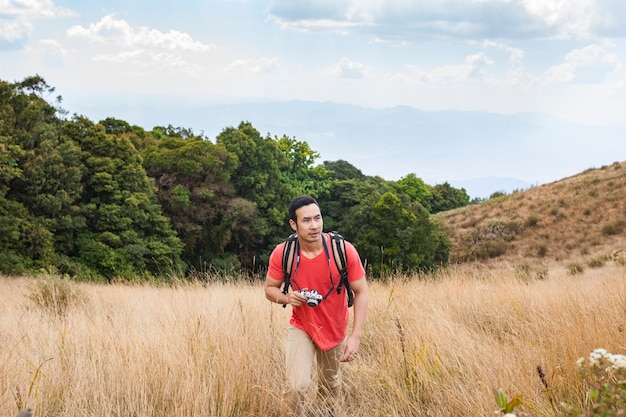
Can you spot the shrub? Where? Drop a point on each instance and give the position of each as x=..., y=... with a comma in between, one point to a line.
x=597, y=262
x=490, y=241
x=606, y=374
x=542, y=249
x=575, y=268
x=55, y=295
x=613, y=228
x=525, y=272
x=532, y=220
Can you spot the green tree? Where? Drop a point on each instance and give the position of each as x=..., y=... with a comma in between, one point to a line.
x=258, y=179
x=445, y=197
x=13, y=215
x=415, y=190
x=39, y=199
x=343, y=170
x=126, y=233
x=193, y=181
x=401, y=238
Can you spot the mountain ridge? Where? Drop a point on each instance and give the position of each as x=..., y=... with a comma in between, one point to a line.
x=437, y=146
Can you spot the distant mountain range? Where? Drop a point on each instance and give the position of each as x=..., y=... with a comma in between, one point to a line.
x=480, y=151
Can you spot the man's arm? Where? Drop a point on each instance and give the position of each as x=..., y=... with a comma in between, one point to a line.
x=361, y=301
x=274, y=293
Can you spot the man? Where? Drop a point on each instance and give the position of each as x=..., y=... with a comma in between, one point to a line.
x=317, y=332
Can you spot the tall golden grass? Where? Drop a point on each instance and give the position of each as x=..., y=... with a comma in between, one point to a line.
x=432, y=347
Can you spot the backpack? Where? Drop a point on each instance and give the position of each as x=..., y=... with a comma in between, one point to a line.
x=291, y=253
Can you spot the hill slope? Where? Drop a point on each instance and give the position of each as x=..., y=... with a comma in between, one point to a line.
x=579, y=220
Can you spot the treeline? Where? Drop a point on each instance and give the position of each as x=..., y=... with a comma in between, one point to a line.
x=112, y=200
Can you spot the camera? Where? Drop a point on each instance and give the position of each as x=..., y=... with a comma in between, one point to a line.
x=313, y=298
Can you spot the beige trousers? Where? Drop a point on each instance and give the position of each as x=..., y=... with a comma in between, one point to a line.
x=300, y=352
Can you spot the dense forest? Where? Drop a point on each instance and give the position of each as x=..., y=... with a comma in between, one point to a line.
x=111, y=200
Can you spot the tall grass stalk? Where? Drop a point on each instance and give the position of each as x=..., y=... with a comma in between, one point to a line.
x=431, y=347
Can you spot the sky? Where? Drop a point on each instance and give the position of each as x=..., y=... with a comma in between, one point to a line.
x=563, y=58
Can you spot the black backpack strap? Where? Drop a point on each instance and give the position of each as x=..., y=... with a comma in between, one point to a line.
x=341, y=259
x=290, y=252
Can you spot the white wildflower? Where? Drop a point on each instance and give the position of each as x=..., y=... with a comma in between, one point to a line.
x=597, y=355
x=617, y=361
x=510, y=415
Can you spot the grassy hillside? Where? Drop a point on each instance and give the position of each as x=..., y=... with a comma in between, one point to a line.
x=575, y=223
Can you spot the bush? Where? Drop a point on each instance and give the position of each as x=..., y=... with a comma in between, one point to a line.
x=532, y=220
x=613, y=228
x=525, y=272
x=55, y=295
x=597, y=262
x=575, y=268
x=491, y=240
x=606, y=374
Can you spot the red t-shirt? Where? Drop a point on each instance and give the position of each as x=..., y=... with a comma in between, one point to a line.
x=326, y=323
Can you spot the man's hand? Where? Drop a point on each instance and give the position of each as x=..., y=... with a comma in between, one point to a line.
x=296, y=299
x=350, y=349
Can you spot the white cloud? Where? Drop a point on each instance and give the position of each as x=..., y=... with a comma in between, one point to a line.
x=17, y=16
x=53, y=46
x=118, y=32
x=516, y=55
x=143, y=47
x=471, y=69
x=11, y=31
x=346, y=68
x=261, y=65
x=33, y=9
x=605, y=65
x=412, y=20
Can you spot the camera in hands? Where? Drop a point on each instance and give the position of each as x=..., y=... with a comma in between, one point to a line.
x=313, y=298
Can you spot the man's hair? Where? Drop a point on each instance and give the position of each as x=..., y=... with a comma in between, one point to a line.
x=301, y=201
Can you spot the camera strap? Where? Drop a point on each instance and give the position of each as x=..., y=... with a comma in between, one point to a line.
x=291, y=262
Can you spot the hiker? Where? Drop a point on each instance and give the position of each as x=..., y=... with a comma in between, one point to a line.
x=319, y=321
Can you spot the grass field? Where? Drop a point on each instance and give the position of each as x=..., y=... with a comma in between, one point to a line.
x=435, y=347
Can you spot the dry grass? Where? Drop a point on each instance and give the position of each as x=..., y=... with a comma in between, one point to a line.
x=571, y=220
x=431, y=348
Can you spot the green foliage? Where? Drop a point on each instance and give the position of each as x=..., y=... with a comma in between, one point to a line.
x=505, y=406
x=416, y=190
x=497, y=195
x=605, y=375
x=446, y=197
x=111, y=200
x=192, y=176
x=400, y=237
x=126, y=231
x=343, y=170
x=299, y=173
x=259, y=179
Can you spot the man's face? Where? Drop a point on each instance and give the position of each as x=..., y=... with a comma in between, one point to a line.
x=309, y=223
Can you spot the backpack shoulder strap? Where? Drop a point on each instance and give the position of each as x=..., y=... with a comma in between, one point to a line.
x=290, y=252
x=338, y=245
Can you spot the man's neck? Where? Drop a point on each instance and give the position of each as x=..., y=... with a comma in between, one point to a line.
x=311, y=249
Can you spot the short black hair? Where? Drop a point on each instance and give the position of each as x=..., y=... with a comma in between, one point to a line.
x=300, y=201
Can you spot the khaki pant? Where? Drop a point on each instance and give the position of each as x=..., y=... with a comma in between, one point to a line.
x=299, y=362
